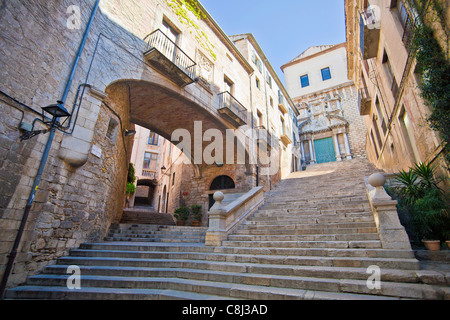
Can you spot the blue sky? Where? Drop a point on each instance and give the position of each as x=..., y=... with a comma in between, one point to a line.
x=283, y=28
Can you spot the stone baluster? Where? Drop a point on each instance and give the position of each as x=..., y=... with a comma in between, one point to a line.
x=216, y=232
x=392, y=233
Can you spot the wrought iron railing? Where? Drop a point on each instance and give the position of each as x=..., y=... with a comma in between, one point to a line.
x=149, y=174
x=369, y=17
x=159, y=41
x=226, y=100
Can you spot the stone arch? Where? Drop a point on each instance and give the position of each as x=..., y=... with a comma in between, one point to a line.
x=222, y=182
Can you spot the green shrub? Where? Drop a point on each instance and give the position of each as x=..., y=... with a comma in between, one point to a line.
x=182, y=213
x=197, y=212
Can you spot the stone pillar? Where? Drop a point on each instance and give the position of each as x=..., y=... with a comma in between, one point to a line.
x=311, y=151
x=392, y=233
x=216, y=232
x=303, y=151
x=336, y=147
x=347, y=147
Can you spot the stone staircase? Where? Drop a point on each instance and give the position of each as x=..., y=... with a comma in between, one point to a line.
x=156, y=233
x=314, y=238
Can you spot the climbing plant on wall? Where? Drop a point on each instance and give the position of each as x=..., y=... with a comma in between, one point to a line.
x=434, y=68
x=185, y=9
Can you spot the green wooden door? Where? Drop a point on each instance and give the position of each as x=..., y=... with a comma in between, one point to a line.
x=325, y=150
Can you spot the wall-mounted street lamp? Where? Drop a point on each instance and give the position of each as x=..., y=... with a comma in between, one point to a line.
x=56, y=111
x=129, y=133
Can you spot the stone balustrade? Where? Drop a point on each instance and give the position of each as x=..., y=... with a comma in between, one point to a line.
x=223, y=219
x=384, y=208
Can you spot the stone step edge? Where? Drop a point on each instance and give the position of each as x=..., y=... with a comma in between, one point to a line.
x=261, y=256
x=243, y=266
x=388, y=275
x=390, y=289
x=89, y=293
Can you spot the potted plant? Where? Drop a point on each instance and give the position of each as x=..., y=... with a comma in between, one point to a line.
x=197, y=215
x=131, y=187
x=182, y=215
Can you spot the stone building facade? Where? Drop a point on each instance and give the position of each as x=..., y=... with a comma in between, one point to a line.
x=122, y=78
x=273, y=111
x=383, y=67
x=330, y=126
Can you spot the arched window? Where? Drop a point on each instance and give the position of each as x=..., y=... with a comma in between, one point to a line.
x=222, y=182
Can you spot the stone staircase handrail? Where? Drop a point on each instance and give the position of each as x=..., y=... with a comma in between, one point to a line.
x=223, y=219
x=384, y=208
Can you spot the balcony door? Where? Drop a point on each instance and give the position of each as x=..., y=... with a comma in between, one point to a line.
x=173, y=35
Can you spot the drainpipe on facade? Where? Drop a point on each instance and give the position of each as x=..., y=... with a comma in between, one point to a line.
x=254, y=149
x=13, y=253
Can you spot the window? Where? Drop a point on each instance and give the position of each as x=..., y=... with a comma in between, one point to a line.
x=260, y=118
x=150, y=161
x=380, y=115
x=169, y=31
x=304, y=80
x=271, y=102
x=280, y=97
x=153, y=139
x=408, y=135
x=221, y=183
x=326, y=74
x=228, y=85
x=256, y=61
x=269, y=79
x=390, y=75
x=402, y=13
x=258, y=85
x=173, y=179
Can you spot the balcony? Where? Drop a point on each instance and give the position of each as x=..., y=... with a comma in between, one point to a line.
x=264, y=137
x=365, y=101
x=149, y=174
x=165, y=56
x=232, y=110
x=370, y=26
x=285, y=138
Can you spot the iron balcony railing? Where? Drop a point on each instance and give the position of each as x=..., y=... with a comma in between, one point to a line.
x=369, y=17
x=159, y=41
x=149, y=174
x=227, y=101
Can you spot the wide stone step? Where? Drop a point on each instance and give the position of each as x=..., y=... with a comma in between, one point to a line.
x=312, y=237
x=249, y=286
x=323, y=252
x=305, y=244
x=138, y=238
x=360, y=262
x=307, y=217
x=388, y=275
x=306, y=220
x=157, y=233
x=252, y=225
x=89, y=293
x=312, y=231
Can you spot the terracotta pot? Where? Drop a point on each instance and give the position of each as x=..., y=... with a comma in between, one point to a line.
x=196, y=223
x=180, y=223
x=432, y=245
x=448, y=243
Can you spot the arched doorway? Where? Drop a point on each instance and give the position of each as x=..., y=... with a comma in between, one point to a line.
x=145, y=193
x=220, y=183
